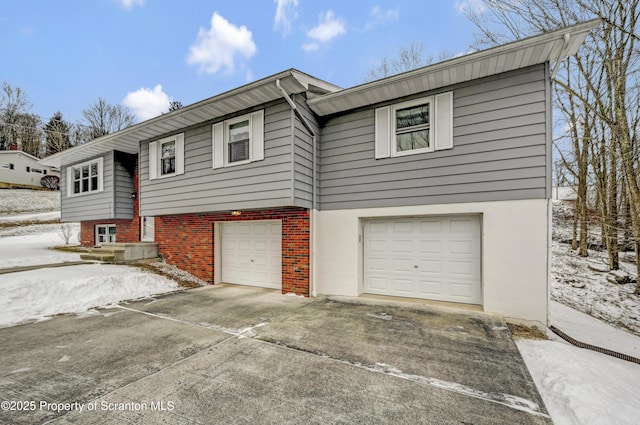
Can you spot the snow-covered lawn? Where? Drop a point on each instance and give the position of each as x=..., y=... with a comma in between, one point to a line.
x=42, y=293
x=38, y=294
x=582, y=387
x=585, y=283
x=16, y=201
x=32, y=249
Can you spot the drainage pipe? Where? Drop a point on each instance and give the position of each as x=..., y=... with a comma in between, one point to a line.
x=593, y=347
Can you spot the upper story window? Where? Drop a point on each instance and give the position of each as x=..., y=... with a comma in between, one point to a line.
x=85, y=178
x=166, y=157
x=239, y=140
x=413, y=127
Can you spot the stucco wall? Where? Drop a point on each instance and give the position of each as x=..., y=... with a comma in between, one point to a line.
x=514, y=252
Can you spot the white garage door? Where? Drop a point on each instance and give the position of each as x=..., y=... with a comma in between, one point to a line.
x=434, y=258
x=252, y=253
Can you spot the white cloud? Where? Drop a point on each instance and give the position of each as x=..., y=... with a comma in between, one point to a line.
x=147, y=103
x=328, y=28
x=384, y=16
x=128, y=4
x=286, y=13
x=475, y=6
x=310, y=47
x=218, y=46
x=381, y=17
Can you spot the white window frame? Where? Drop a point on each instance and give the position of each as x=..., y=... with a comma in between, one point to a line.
x=440, y=126
x=227, y=139
x=71, y=178
x=220, y=140
x=394, y=130
x=107, y=227
x=155, y=157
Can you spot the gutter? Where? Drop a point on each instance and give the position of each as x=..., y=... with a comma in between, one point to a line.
x=313, y=250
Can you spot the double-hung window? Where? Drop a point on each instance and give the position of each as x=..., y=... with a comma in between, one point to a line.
x=239, y=140
x=415, y=126
x=85, y=178
x=412, y=129
x=166, y=157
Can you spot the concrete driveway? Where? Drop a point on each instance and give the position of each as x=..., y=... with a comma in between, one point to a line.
x=237, y=355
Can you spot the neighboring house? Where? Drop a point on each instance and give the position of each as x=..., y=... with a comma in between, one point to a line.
x=435, y=183
x=20, y=169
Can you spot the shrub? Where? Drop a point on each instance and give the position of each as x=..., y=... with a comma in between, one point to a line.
x=50, y=182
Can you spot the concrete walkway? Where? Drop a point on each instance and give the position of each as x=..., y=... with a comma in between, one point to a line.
x=42, y=266
x=237, y=355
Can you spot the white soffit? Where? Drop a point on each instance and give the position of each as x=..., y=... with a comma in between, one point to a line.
x=248, y=96
x=547, y=47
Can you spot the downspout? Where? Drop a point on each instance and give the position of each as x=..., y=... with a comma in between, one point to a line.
x=563, y=51
x=294, y=108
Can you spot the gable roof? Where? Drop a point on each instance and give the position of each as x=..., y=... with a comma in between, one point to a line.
x=23, y=153
x=547, y=47
x=244, y=97
x=327, y=99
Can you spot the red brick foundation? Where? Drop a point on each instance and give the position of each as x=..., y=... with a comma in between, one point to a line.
x=187, y=241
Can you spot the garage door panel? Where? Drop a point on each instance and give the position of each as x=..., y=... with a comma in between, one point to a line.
x=251, y=253
x=403, y=286
x=430, y=266
x=430, y=246
x=446, y=251
x=429, y=288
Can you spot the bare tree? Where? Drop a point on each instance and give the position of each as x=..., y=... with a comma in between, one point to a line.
x=601, y=83
x=102, y=118
x=13, y=106
x=409, y=57
x=174, y=105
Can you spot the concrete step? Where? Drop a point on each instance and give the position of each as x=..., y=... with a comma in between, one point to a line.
x=96, y=256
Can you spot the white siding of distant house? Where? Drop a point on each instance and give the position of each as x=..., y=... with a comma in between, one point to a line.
x=19, y=174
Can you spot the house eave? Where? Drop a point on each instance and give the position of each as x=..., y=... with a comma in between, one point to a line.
x=548, y=47
x=247, y=96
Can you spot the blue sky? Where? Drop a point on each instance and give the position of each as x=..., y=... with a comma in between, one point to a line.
x=142, y=53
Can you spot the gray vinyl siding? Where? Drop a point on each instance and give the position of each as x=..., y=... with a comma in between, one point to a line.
x=260, y=184
x=91, y=206
x=303, y=155
x=123, y=185
x=500, y=151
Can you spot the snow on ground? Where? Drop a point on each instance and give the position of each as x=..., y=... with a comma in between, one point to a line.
x=585, y=283
x=38, y=294
x=32, y=249
x=582, y=387
x=41, y=293
x=42, y=216
x=15, y=201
